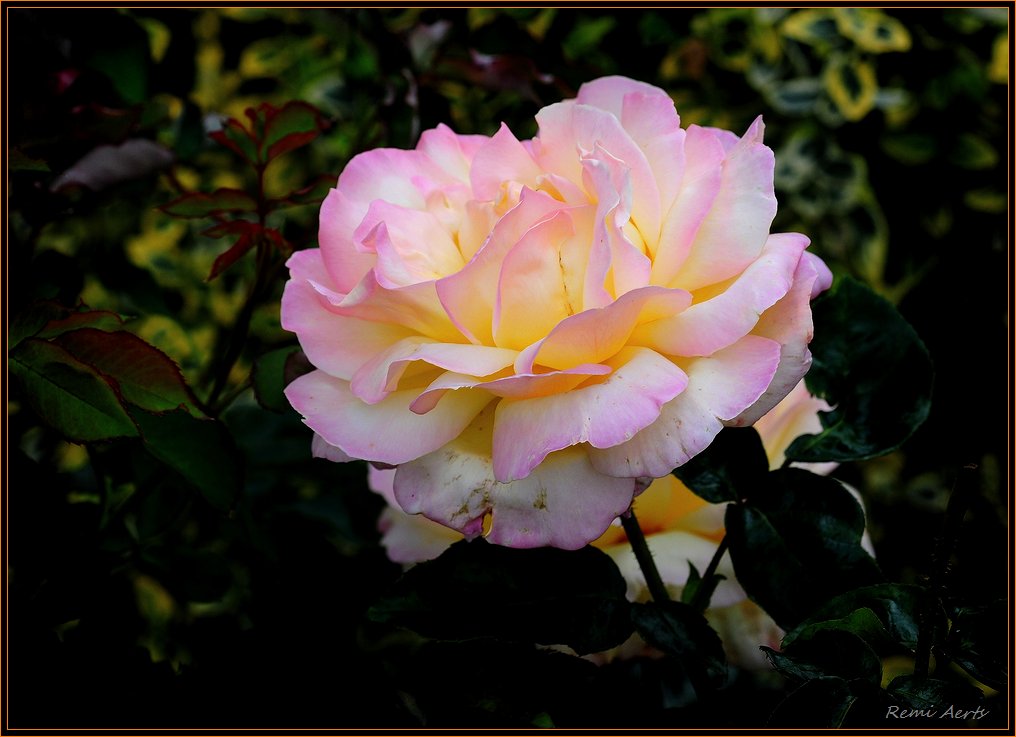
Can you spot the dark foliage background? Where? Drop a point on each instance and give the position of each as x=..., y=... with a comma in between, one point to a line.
x=137, y=598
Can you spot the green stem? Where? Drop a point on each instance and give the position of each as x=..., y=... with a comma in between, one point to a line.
x=705, y=591
x=640, y=547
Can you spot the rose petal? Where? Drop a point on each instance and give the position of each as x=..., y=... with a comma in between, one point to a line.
x=387, y=431
x=321, y=448
x=469, y=295
x=563, y=503
x=734, y=232
x=719, y=387
x=789, y=323
x=603, y=414
x=335, y=343
x=502, y=159
x=718, y=321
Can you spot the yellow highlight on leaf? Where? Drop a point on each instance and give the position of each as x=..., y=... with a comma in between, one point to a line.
x=851, y=84
x=998, y=70
x=872, y=30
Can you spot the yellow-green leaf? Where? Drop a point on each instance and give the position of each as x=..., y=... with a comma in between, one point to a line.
x=851, y=84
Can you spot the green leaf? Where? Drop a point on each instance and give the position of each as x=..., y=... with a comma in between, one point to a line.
x=797, y=544
x=269, y=379
x=896, y=605
x=144, y=375
x=201, y=204
x=19, y=161
x=794, y=96
x=543, y=595
x=68, y=395
x=820, y=702
x=973, y=152
x=694, y=584
x=977, y=643
x=863, y=623
x=941, y=700
x=200, y=450
x=873, y=368
x=828, y=653
x=733, y=465
x=683, y=633
x=293, y=125
x=872, y=30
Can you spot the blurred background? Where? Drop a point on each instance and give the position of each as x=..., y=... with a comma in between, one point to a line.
x=135, y=602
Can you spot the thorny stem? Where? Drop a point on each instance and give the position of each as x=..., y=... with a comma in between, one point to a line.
x=643, y=555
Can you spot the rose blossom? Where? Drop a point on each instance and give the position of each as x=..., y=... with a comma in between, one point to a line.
x=530, y=331
x=679, y=527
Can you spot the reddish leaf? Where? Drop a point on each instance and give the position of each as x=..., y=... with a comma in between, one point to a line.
x=293, y=125
x=201, y=204
x=278, y=240
x=243, y=244
x=144, y=375
x=46, y=318
x=234, y=136
x=232, y=227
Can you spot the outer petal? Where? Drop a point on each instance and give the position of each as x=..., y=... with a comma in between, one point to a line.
x=610, y=93
x=335, y=343
x=789, y=323
x=718, y=321
x=320, y=448
x=735, y=230
x=719, y=388
x=604, y=414
x=387, y=432
x=415, y=307
x=563, y=503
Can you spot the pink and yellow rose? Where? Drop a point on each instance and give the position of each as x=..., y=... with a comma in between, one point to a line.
x=529, y=332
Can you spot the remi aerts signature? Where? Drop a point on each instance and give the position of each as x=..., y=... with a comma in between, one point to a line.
x=896, y=712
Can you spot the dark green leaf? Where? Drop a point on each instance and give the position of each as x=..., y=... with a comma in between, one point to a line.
x=940, y=700
x=820, y=702
x=269, y=379
x=200, y=450
x=828, y=652
x=201, y=204
x=733, y=465
x=19, y=161
x=863, y=623
x=873, y=368
x=68, y=395
x=798, y=544
x=683, y=633
x=896, y=605
x=697, y=589
x=144, y=375
x=977, y=643
x=543, y=595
